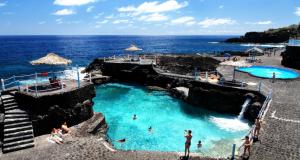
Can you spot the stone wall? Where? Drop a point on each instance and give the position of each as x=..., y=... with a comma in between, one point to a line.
x=224, y=99
x=51, y=111
x=291, y=57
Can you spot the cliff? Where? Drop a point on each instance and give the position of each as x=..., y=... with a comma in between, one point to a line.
x=279, y=35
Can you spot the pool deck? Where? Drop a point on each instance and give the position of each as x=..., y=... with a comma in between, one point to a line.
x=280, y=133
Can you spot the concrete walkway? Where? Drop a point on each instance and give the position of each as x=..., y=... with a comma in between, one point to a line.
x=280, y=133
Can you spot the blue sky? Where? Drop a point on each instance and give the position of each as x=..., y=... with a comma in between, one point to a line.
x=151, y=17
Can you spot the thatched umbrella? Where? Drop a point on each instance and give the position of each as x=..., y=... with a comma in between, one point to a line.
x=236, y=64
x=133, y=48
x=51, y=59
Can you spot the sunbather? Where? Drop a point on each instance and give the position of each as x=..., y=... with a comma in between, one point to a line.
x=65, y=129
x=55, y=136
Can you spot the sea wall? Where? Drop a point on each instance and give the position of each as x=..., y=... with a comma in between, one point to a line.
x=291, y=57
x=51, y=111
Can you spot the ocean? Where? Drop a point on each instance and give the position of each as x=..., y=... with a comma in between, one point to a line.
x=17, y=51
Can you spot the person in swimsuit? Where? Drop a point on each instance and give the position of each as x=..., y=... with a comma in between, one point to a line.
x=247, y=145
x=134, y=117
x=257, y=127
x=188, y=137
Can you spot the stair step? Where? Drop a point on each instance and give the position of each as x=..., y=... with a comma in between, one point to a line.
x=16, y=148
x=22, y=115
x=16, y=114
x=20, y=124
x=15, y=120
x=6, y=96
x=10, y=104
x=18, y=138
x=15, y=111
x=17, y=129
x=17, y=143
x=8, y=101
x=11, y=108
x=19, y=133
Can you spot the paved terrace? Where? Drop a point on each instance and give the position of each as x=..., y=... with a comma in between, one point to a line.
x=280, y=133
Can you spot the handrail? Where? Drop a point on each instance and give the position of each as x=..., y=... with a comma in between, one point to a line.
x=13, y=81
x=260, y=115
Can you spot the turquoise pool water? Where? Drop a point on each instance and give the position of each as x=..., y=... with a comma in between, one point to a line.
x=168, y=117
x=267, y=72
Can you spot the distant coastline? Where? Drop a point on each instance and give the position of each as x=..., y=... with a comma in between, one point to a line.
x=279, y=35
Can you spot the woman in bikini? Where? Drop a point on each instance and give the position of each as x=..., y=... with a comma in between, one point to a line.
x=257, y=127
x=188, y=137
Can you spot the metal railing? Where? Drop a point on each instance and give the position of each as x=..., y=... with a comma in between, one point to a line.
x=38, y=82
x=205, y=77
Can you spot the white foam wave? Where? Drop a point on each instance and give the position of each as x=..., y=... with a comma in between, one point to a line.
x=231, y=125
x=213, y=42
x=263, y=45
x=72, y=73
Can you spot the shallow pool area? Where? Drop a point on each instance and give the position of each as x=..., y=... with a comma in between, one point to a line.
x=168, y=117
x=267, y=72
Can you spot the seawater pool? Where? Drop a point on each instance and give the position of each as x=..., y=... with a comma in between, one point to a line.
x=267, y=72
x=168, y=117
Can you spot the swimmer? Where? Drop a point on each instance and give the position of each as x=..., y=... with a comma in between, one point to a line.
x=134, y=117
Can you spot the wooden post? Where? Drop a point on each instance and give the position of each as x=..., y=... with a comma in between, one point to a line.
x=3, y=85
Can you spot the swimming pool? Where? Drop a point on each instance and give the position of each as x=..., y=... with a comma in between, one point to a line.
x=168, y=117
x=267, y=72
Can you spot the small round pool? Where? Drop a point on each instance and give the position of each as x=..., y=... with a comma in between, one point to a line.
x=267, y=72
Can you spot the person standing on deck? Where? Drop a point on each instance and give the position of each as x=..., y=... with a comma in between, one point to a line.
x=257, y=127
x=188, y=141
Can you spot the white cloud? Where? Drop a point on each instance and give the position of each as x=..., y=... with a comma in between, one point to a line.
x=110, y=16
x=297, y=12
x=260, y=23
x=102, y=22
x=42, y=22
x=118, y=21
x=64, y=12
x=183, y=20
x=2, y=4
x=215, y=22
x=73, y=2
x=264, y=22
x=59, y=21
x=221, y=6
x=154, y=7
x=155, y=17
x=98, y=15
x=90, y=8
